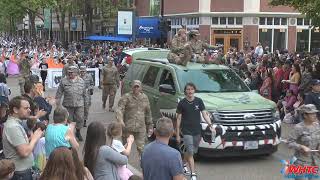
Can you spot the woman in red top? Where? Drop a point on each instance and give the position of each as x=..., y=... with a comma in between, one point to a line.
x=266, y=88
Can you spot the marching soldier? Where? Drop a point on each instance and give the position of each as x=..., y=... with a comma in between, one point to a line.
x=305, y=139
x=73, y=89
x=134, y=114
x=70, y=62
x=24, y=67
x=110, y=81
x=179, y=53
x=88, y=80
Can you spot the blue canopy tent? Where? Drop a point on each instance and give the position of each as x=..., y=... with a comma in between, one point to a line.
x=108, y=38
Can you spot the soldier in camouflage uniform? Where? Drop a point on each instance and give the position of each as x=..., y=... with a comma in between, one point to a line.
x=24, y=67
x=73, y=89
x=89, y=89
x=70, y=62
x=179, y=51
x=306, y=137
x=135, y=114
x=197, y=47
x=110, y=81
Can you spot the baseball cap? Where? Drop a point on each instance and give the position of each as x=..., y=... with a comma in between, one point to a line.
x=136, y=83
x=308, y=108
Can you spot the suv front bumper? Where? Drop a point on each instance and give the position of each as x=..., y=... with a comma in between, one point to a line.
x=230, y=140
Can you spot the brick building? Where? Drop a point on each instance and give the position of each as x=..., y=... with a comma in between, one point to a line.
x=238, y=23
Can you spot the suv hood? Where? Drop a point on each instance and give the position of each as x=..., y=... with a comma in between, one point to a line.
x=235, y=101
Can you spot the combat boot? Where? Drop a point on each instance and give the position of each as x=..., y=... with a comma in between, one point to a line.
x=78, y=135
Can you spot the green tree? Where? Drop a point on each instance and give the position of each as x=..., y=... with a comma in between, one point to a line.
x=310, y=8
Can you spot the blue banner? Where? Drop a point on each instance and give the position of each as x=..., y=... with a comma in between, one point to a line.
x=148, y=27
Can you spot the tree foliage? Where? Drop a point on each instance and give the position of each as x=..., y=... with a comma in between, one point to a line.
x=310, y=8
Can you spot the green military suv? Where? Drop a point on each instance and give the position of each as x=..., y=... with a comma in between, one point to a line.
x=245, y=122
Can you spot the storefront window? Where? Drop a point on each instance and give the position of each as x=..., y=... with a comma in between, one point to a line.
x=302, y=40
x=265, y=37
x=315, y=40
x=279, y=39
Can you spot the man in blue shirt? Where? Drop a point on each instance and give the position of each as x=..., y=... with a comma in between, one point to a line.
x=159, y=161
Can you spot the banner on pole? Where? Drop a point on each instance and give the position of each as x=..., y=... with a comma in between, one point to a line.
x=55, y=76
x=47, y=18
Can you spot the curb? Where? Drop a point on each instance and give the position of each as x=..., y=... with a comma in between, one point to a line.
x=134, y=171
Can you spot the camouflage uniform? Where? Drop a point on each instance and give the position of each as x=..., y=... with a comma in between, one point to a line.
x=136, y=114
x=74, y=92
x=110, y=81
x=89, y=90
x=24, y=67
x=308, y=136
x=197, y=48
x=179, y=53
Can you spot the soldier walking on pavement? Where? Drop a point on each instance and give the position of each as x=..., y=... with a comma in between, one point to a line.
x=88, y=80
x=305, y=139
x=134, y=114
x=24, y=66
x=73, y=89
x=110, y=81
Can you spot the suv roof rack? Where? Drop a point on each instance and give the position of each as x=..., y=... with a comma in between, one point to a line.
x=162, y=61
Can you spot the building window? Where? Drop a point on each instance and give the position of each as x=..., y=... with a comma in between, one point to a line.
x=284, y=21
x=231, y=20
x=262, y=21
x=302, y=40
x=269, y=21
x=279, y=39
x=315, y=40
x=215, y=20
x=223, y=20
x=239, y=20
x=265, y=37
x=276, y=21
x=193, y=21
x=299, y=21
x=306, y=22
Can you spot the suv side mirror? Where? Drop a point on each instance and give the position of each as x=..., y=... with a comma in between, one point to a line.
x=167, y=88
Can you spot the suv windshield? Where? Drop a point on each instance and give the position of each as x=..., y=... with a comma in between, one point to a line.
x=212, y=80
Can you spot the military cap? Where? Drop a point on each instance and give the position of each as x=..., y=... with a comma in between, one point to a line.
x=194, y=32
x=83, y=68
x=73, y=69
x=136, y=83
x=308, y=109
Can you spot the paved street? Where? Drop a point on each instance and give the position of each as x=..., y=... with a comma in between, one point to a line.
x=253, y=168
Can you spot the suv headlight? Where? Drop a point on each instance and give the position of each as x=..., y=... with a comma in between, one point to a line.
x=275, y=114
x=213, y=115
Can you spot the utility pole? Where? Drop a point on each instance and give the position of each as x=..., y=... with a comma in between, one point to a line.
x=161, y=23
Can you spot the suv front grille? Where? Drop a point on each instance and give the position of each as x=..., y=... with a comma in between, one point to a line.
x=244, y=118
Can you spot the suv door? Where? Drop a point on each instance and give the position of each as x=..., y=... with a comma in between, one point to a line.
x=167, y=103
x=135, y=72
x=149, y=81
